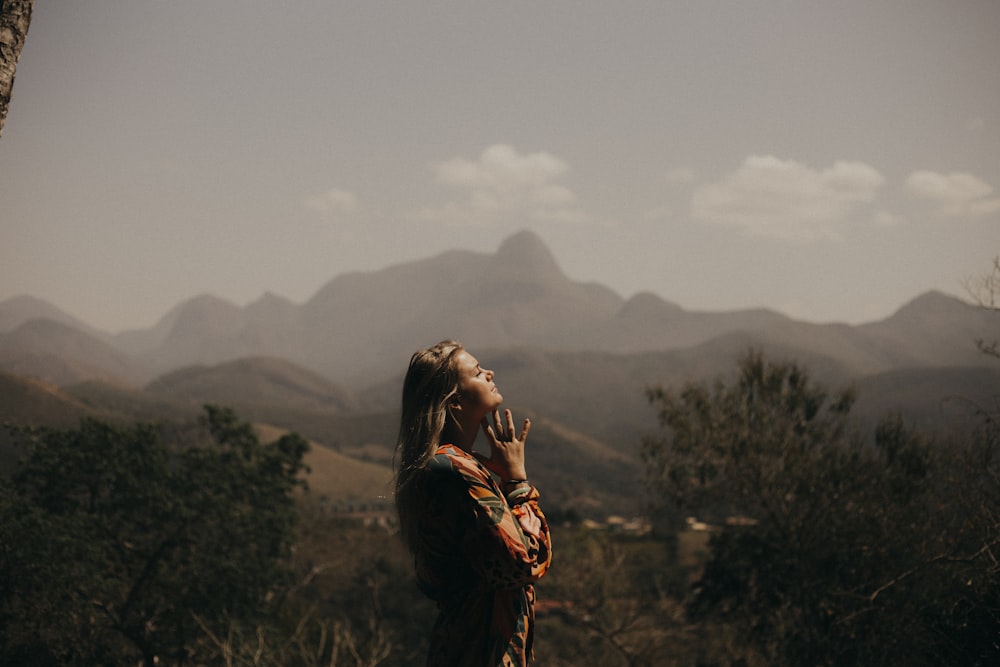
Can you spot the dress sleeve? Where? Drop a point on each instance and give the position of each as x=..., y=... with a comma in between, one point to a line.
x=496, y=547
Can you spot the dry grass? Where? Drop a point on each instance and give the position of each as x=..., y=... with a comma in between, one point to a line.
x=337, y=478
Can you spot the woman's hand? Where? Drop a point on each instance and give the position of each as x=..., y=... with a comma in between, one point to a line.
x=506, y=457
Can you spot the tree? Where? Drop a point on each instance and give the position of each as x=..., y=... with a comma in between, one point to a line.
x=117, y=547
x=828, y=548
x=15, y=17
x=741, y=450
x=985, y=291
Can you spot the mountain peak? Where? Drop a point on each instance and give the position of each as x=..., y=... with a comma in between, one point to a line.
x=523, y=241
x=204, y=315
x=932, y=305
x=270, y=300
x=525, y=252
x=22, y=308
x=271, y=309
x=209, y=301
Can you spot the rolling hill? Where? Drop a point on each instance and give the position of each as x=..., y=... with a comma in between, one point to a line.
x=255, y=381
x=29, y=402
x=62, y=354
x=360, y=328
x=576, y=357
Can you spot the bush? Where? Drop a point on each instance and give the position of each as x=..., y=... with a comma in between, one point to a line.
x=843, y=551
x=118, y=548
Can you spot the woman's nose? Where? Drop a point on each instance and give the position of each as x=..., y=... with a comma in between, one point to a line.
x=489, y=375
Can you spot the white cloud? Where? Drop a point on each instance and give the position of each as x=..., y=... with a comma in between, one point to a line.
x=332, y=201
x=785, y=199
x=502, y=182
x=500, y=167
x=957, y=194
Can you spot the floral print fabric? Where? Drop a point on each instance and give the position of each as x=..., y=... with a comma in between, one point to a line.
x=477, y=563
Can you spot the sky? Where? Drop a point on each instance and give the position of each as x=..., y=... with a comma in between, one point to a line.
x=829, y=160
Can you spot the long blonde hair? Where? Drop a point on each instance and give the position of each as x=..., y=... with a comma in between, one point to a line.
x=430, y=384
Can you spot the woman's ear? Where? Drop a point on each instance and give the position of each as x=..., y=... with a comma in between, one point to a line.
x=454, y=408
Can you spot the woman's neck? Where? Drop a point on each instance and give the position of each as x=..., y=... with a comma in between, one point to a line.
x=460, y=435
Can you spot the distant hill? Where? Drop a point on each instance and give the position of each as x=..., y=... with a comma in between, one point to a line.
x=338, y=480
x=255, y=381
x=934, y=329
x=575, y=357
x=938, y=400
x=360, y=328
x=20, y=309
x=32, y=402
x=588, y=411
x=62, y=354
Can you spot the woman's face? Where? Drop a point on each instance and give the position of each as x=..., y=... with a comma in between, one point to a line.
x=476, y=391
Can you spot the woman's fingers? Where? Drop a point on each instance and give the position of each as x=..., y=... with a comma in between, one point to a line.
x=506, y=457
x=502, y=430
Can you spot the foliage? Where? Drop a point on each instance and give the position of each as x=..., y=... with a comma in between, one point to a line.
x=985, y=291
x=836, y=551
x=613, y=600
x=118, y=548
x=358, y=576
x=354, y=603
x=742, y=449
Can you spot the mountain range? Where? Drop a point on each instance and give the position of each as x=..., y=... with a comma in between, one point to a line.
x=575, y=356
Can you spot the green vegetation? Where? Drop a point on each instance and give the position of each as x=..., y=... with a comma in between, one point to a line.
x=781, y=535
x=117, y=548
x=830, y=549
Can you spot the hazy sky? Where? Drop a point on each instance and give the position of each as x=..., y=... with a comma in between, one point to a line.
x=830, y=160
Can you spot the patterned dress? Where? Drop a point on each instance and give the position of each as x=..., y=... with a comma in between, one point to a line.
x=474, y=560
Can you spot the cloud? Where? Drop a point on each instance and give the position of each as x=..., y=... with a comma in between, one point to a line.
x=502, y=182
x=785, y=199
x=332, y=201
x=956, y=194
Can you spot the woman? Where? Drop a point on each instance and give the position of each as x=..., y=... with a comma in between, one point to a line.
x=478, y=544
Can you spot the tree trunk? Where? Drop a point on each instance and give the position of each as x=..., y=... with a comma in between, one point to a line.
x=15, y=15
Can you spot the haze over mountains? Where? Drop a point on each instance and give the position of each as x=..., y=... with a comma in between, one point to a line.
x=360, y=328
x=576, y=357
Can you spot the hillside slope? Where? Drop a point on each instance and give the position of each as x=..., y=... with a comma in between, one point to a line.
x=62, y=354
x=254, y=380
